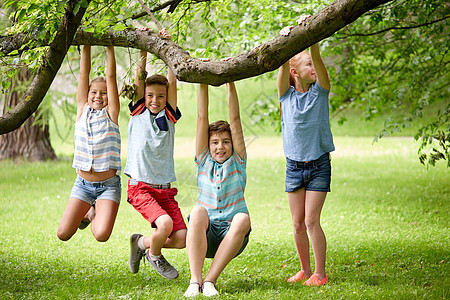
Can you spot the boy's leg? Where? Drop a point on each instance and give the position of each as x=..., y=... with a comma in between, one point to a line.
x=75, y=210
x=196, y=244
x=176, y=240
x=103, y=222
x=313, y=208
x=158, y=238
x=297, y=207
x=156, y=241
x=230, y=245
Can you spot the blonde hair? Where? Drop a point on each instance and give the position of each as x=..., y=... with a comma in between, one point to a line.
x=294, y=62
x=97, y=79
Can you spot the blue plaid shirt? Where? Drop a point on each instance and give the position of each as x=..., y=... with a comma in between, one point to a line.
x=221, y=186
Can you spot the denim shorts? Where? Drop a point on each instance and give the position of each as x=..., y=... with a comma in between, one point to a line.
x=88, y=191
x=312, y=175
x=216, y=233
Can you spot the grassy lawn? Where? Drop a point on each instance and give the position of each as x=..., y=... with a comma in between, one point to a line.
x=386, y=222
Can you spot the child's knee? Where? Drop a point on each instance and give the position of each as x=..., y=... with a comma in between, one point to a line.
x=299, y=227
x=64, y=233
x=63, y=236
x=164, y=224
x=311, y=223
x=241, y=222
x=198, y=211
x=198, y=218
x=102, y=237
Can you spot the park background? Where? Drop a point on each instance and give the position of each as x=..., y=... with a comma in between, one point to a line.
x=386, y=218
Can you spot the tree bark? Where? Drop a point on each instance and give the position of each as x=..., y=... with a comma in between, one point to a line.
x=51, y=63
x=32, y=140
x=264, y=58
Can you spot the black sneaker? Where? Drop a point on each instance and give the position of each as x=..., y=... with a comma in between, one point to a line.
x=135, y=253
x=163, y=267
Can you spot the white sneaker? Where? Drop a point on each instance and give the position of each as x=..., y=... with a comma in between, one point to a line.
x=192, y=290
x=209, y=289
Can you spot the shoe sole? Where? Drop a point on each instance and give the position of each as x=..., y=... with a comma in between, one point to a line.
x=132, y=239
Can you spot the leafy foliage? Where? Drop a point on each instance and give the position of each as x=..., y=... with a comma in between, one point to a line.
x=395, y=60
x=392, y=60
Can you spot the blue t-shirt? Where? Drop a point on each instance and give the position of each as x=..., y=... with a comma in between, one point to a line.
x=305, y=123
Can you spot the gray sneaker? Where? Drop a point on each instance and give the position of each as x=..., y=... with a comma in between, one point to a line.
x=163, y=267
x=136, y=253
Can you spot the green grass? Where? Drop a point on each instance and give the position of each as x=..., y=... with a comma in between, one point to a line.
x=386, y=222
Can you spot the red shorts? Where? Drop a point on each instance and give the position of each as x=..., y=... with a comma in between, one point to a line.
x=153, y=203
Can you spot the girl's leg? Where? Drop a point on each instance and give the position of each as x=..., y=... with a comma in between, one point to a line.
x=103, y=222
x=297, y=206
x=196, y=244
x=230, y=245
x=74, y=213
x=313, y=208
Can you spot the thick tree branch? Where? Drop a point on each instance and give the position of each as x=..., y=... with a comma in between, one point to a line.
x=264, y=58
x=46, y=73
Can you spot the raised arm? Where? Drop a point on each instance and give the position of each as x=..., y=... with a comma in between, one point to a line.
x=283, y=72
x=113, y=107
x=139, y=78
x=201, y=142
x=237, y=135
x=83, y=81
x=283, y=79
x=172, y=91
x=319, y=66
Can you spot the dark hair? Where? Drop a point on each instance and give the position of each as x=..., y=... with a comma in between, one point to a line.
x=158, y=80
x=219, y=127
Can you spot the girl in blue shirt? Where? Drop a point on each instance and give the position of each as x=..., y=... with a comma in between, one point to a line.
x=303, y=88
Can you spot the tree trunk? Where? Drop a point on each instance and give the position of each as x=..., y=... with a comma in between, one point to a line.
x=30, y=141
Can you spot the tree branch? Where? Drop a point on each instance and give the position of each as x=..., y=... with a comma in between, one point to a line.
x=264, y=58
x=46, y=73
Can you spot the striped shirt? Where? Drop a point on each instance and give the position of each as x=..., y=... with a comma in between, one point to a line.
x=221, y=186
x=151, y=144
x=97, y=142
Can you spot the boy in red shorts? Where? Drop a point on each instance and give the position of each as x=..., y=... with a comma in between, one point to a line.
x=150, y=167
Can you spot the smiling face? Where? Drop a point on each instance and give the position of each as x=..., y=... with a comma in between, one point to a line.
x=97, y=95
x=220, y=146
x=155, y=97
